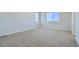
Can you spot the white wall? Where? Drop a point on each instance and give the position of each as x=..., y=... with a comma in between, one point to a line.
x=16, y=22
x=77, y=26
x=64, y=24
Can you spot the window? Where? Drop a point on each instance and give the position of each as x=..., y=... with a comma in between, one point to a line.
x=36, y=17
x=53, y=17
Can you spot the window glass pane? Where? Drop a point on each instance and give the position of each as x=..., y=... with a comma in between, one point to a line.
x=36, y=17
x=53, y=17
x=49, y=17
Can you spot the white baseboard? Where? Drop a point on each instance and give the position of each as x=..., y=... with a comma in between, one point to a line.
x=31, y=28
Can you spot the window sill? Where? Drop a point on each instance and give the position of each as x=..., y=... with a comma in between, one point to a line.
x=53, y=22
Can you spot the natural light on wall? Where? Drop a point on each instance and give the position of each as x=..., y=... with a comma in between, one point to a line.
x=53, y=17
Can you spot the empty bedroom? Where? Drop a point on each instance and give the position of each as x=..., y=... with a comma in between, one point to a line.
x=39, y=29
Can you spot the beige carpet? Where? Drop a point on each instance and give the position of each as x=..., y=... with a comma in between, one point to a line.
x=39, y=38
